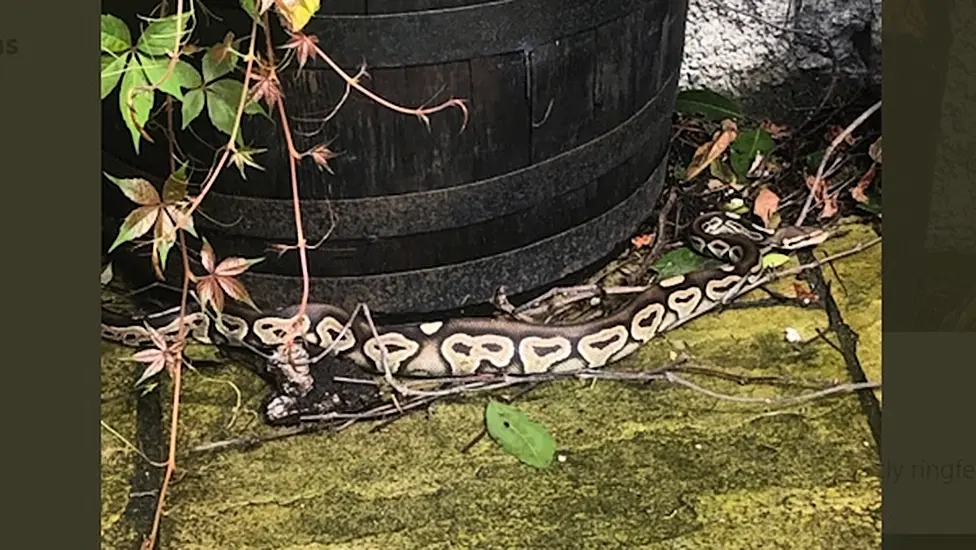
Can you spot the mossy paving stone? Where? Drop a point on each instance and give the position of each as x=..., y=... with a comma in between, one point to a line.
x=652, y=466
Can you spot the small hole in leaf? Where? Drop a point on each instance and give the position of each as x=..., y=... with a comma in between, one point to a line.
x=506, y=424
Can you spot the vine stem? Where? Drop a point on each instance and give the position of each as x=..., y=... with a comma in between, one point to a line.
x=300, y=232
x=215, y=171
x=354, y=82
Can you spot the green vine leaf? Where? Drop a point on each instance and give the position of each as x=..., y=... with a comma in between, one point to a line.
x=112, y=69
x=142, y=101
x=222, y=100
x=160, y=35
x=219, y=60
x=751, y=142
x=223, y=97
x=251, y=8
x=184, y=75
x=174, y=190
x=192, y=106
x=707, y=103
x=115, y=35
x=518, y=435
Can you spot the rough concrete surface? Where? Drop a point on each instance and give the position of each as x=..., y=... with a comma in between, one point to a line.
x=654, y=466
x=735, y=46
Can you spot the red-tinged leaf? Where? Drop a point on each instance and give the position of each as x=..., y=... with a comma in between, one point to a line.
x=152, y=370
x=135, y=225
x=304, y=46
x=232, y=267
x=236, y=290
x=157, y=338
x=149, y=355
x=207, y=257
x=181, y=219
x=210, y=293
x=765, y=205
x=137, y=190
x=174, y=190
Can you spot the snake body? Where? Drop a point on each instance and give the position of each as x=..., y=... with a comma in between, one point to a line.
x=472, y=345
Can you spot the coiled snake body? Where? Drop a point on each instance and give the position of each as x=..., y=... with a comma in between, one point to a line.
x=466, y=346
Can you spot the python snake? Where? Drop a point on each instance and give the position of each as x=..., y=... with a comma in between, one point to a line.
x=472, y=345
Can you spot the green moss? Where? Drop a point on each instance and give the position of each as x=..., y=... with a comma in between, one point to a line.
x=644, y=465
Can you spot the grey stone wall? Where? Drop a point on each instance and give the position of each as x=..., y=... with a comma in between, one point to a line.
x=758, y=49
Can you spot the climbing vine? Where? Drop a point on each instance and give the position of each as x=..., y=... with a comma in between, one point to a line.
x=158, y=74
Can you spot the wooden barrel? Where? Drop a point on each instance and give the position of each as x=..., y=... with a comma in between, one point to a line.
x=564, y=153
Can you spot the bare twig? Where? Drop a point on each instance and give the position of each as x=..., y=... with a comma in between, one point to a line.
x=830, y=150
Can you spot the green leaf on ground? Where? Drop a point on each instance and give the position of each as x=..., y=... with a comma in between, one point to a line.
x=707, y=103
x=112, y=69
x=678, y=262
x=774, y=259
x=161, y=34
x=518, y=435
x=115, y=35
x=746, y=146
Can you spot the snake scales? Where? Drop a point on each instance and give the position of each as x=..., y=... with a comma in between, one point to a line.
x=471, y=345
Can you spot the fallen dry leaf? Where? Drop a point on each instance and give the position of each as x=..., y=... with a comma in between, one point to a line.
x=829, y=206
x=875, y=150
x=640, y=241
x=803, y=293
x=714, y=184
x=816, y=186
x=765, y=205
x=713, y=149
x=773, y=129
x=862, y=185
x=833, y=131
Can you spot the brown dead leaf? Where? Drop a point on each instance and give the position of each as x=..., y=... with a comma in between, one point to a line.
x=862, y=185
x=804, y=294
x=875, y=150
x=713, y=149
x=641, y=241
x=816, y=186
x=834, y=130
x=829, y=206
x=714, y=184
x=774, y=130
x=765, y=205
